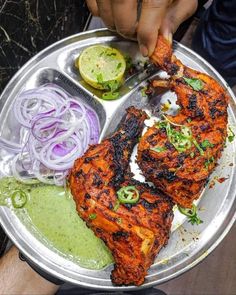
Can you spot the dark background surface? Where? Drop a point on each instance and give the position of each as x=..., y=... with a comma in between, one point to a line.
x=28, y=26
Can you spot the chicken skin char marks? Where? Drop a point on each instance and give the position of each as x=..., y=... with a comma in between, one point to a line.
x=179, y=153
x=136, y=232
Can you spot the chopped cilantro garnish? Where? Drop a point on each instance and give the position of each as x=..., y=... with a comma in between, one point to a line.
x=143, y=91
x=119, y=220
x=116, y=206
x=231, y=135
x=100, y=78
x=129, y=62
x=196, y=84
x=111, y=54
x=162, y=124
x=191, y=214
x=201, y=151
x=181, y=139
x=192, y=154
x=208, y=162
x=159, y=149
x=111, y=85
x=206, y=143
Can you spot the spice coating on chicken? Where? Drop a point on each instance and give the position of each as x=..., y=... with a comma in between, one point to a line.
x=179, y=154
x=134, y=233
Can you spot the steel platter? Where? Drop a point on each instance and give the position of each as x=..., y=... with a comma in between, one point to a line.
x=188, y=244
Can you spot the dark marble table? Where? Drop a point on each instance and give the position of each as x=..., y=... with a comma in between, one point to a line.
x=28, y=26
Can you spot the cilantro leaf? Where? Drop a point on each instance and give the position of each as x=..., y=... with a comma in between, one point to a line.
x=159, y=149
x=118, y=66
x=192, y=154
x=143, y=91
x=181, y=139
x=208, y=162
x=100, y=78
x=206, y=143
x=196, y=84
x=231, y=135
x=201, y=151
x=111, y=85
x=129, y=62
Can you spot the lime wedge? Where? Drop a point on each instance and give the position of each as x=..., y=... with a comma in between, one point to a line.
x=101, y=66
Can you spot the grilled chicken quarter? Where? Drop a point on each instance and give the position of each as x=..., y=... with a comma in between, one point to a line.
x=179, y=154
x=136, y=232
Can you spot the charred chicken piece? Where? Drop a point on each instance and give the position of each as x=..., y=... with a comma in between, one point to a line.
x=179, y=153
x=135, y=230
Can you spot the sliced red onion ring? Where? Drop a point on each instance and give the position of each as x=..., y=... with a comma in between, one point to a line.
x=60, y=129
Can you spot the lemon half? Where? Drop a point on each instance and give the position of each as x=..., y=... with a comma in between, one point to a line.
x=99, y=64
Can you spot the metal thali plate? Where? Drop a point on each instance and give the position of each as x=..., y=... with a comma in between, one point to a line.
x=188, y=244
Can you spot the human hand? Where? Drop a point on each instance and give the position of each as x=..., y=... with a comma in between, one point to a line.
x=157, y=16
x=17, y=277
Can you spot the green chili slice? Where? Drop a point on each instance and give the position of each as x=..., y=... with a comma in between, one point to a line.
x=128, y=195
x=18, y=199
x=92, y=216
x=110, y=95
x=191, y=214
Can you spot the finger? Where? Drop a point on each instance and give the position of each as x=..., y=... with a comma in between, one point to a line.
x=149, y=23
x=178, y=12
x=105, y=12
x=92, y=6
x=125, y=16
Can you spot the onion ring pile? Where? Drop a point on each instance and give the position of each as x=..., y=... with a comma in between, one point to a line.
x=59, y=128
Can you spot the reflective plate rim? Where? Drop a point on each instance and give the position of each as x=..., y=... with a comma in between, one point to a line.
x=34, y=254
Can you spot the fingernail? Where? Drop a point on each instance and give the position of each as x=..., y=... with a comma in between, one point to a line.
x=167, y=34
x=143, y=50
x=169, y=37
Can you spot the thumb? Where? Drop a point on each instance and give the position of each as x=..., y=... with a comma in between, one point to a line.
x=177, y=13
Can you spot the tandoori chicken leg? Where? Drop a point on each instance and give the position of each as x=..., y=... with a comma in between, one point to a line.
x=179, y=153
x=136, y=230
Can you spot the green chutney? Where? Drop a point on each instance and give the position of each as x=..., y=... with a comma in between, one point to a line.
x=52, y=213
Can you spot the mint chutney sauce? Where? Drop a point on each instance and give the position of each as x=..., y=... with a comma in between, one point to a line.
x=52, y=212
